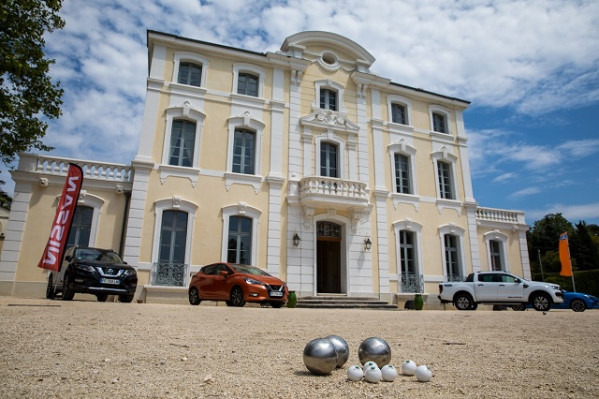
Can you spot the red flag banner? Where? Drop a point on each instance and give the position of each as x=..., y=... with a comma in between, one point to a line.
x=62, y=221
x=564, y=256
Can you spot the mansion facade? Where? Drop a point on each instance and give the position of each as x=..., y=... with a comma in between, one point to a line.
x=301, y=162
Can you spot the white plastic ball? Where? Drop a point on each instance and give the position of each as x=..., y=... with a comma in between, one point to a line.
x=373, y=374
x=389, y=373
x=408, y=367
x=423, y=374
x=355, y=373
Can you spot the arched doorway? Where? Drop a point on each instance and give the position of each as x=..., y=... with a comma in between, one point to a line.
x=328, y=258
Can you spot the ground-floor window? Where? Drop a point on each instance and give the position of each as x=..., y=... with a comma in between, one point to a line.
x=239, y=249
x=171, y=257
x=411, y=281
x=81, y=227
x=495, y=252
x=452, y=257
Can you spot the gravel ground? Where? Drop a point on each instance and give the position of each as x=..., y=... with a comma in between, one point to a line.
x=56, y=349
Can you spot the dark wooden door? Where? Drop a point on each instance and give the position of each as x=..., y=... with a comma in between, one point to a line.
x=328, y=266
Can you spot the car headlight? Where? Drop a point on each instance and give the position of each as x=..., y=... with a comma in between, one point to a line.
x=85, y=268
x=252, y=281
x=129, y=273
x=556, y=287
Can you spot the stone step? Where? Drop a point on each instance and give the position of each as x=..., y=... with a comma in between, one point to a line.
x=343, y=302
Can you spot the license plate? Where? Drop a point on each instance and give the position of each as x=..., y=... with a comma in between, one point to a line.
x=112, y=281
x=276, y=293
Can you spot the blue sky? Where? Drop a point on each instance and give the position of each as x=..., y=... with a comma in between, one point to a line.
x=530, y=69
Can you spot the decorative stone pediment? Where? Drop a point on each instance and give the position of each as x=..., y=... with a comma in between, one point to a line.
x=327, y=119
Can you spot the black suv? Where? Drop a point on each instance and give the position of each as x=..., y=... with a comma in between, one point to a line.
x=96, y=271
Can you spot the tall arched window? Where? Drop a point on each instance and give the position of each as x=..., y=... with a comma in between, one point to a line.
x=81, y=227
x=244, y=152
x=239, y=246
x=328, y=160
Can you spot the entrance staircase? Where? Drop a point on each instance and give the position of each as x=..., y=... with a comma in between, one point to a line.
x=343, y=302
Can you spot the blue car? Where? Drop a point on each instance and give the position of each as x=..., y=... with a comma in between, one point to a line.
x=576, y=301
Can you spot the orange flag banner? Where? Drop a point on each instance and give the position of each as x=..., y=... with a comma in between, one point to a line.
x=564, y=256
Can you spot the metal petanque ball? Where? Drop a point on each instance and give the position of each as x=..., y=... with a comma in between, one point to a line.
x=376, y=350
x=341, y=348
x=320, y=356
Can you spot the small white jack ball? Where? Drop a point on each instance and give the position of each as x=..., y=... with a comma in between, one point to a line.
x=389, y=373
x=373, y=374
x=408, y=367
x=370, y=363
x=423, y=374
x=355, y=373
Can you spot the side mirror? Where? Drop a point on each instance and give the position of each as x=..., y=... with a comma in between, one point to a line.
x=68, y=258
x=518, y=281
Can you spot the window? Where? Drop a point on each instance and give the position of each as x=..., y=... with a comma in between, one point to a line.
x=452, y=257
x=440, y=123
x=402, y=174
x=410, y=279
x=328, y=99
x=182, y=143
x=399, y=114
x=239, y=249
x=244, y=152
x=190, y=74
x=445, y=180
x=247, y=84
x=328, y=159
x=81, y=227
x=173, y=234
x=495, y=254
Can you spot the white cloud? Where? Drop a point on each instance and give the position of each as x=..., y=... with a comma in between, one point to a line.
x=526, y=192
x=573, y=213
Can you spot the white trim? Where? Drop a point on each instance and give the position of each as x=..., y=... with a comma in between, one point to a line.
x=175, y=203
x=400, y=147
x=460, y=233
x=244, y=121
x=241, y=209
x=96, y=204
x=416, y=228
x=440, y=110
x=329, y=84
x=502, y=238
x=330, y=137
x=392, y=99
x=193, y=58
x=253, y=70
x=444, y=155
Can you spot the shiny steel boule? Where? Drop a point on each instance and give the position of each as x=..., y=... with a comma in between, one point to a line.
x=376, y=350
x=320, y=356
x=341, y=348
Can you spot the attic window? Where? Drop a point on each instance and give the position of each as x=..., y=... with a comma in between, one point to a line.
x=329, y=58
x=329, y=61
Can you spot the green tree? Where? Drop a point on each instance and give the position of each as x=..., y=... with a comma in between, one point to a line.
x=26, y=91
x=583, y=249
x=543, y=239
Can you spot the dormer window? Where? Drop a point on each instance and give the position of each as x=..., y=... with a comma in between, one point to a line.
x=440, y=123
x=247, y=84
x=190, y=74
x=328, y=99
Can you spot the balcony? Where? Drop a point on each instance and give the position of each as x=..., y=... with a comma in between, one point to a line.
x=492, y=215
x=332, y=193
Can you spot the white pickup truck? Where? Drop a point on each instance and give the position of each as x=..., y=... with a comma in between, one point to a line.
x=499, y=288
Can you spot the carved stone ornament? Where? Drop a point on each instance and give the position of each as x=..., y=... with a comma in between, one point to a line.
x=329, y=119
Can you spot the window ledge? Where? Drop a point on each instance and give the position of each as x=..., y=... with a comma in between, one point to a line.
x=445, y=137
x=451, y=204
x=399, y=127
x=240, y=178
x=248, y=99
x=411, y=199
x=179, y=87
x=179, y=171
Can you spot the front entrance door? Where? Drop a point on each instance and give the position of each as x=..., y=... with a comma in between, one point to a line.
x=328, y=258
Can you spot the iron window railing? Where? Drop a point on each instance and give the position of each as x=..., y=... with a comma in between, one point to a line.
x=170, y=274
x=412, y=282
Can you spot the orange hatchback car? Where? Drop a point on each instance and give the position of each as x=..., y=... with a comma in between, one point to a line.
x=236, y=284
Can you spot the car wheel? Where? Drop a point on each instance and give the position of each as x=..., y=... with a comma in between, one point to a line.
x=541, y=302
x=126, y=298
x=50, y=292
x=578, y=305
x=67, y=292
x=102, y=297
x=237, y=298
x=194, y=296
x=277, y=305
x=463, y=302
x=519, y=307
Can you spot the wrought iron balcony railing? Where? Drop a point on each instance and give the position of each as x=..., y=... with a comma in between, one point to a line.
x=170, y=274
x=412, y=282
